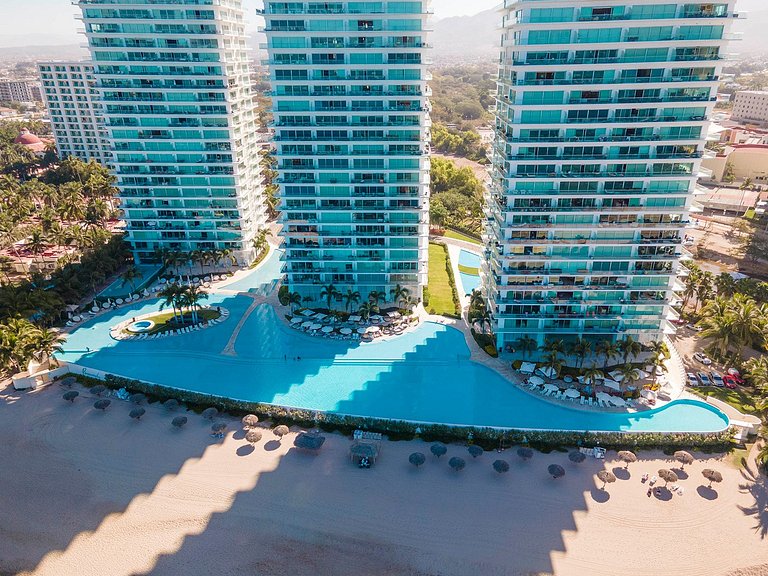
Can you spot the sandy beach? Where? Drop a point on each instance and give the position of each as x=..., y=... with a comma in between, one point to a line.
x=90, y=493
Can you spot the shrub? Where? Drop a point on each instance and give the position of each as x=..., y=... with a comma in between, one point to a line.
x=283, y=294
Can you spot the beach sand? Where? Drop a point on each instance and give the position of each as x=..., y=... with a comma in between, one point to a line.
x=89, y=493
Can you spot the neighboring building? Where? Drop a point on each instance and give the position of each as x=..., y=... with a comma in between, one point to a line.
x=743, y=161
x=174, y=81
x=32, y=142
x=75, y=110
x=18, y=91
x=751, y=106
x=352, y=134
x=602, y=111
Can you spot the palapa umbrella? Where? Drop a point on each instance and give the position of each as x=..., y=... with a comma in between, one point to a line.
x=607, y=477
x=253, y=436
x=309, y=441
x=627, y=457
x=572, y=393
x=361, y=330
x=137, y=398
x=576, y=457
x=474, y=450
x=668, y=476
x=101, y=404
x=218, y=427
x=556, y=471
x=99, y=389
x=457, y=463
x=210, y=413
x=171, y=404
x=179, y=421
x=137, y=413
x=501, y=466
x=536, y=380
x=417, y=459
x=684, y=458
x=346, y=331
x=438, y=449
x=250, y=421
x=712, y=476
x=70, y=395
x=280, y=431
x=525, y=453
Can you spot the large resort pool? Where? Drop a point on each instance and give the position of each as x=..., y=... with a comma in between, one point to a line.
x=424, y=375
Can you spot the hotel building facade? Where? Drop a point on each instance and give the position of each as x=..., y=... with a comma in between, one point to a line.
x=352, y=133
x=174, y=81
x=601, y=118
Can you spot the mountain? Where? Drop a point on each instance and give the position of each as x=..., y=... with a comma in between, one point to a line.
x=467, y=37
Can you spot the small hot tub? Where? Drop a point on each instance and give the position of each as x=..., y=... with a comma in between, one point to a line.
x=140, y=326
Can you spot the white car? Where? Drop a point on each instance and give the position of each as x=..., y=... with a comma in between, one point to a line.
x=699, y=357
x=692, y=380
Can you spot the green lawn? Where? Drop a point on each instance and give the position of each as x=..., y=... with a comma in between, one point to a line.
x=440, y=290
x=740, y=399
x=459, y=236
x=161, y=320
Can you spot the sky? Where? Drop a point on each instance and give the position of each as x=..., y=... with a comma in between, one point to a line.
x=46, y=22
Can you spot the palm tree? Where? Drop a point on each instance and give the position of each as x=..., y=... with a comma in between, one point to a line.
x=294, y=299
x=170, y=295
x=476, y=299
x=398, y=293
x=747, y=317
x=659, y=351
x=581, y=348
x=37, y=241
x=630, y=374
x=46, y=343
x=486, y=319
x=375, y=297
x=704, y=289
x=592, y=374
x=630, y=347
x=609, y=349
x=554, y=346
x=725, y=284
x=526, y=345
x=691, y=283
x=366, y=309
x=552, y=360
x=191, y=297
x=197, y=257
x=329, y=292
x=130, y=276
x=260, y=242
x=351, y=297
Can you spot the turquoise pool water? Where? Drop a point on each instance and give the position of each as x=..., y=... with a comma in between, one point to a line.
x=118, y=290
x=469, y=259
x=469, y=282
x=262, y=280
x=424, y=376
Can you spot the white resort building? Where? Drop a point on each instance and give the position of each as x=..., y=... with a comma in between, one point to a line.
x=351, y=122
x=69, y=93
x=174, y=80
x=601, y=119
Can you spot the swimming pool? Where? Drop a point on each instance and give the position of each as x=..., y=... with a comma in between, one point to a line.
x=425, y=375
x=118, y=289
x=261, y=280
x=469, y=273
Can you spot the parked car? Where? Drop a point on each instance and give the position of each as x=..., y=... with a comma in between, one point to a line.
x=693, y=327
x=736, y=375
x=692, y=380
x=717, y=379
x=704, y=379
x=730, y=381
x=700, y=357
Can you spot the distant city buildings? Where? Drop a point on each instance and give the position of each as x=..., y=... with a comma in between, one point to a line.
x=738, y=163
x=601, y=119
x=174, y=82
x=352, y=131
x=751, y=107
x=75, y=110
x=19, y=91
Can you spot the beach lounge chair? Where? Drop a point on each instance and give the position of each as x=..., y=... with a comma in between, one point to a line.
x=581, y=400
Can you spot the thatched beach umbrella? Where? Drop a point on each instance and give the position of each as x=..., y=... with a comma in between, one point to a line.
x=171, y=404
x=668, y=476
x=712, y=476
x=250, y=421
x=102, y=404
x=99, y=389
x=556, y=471
x=137, y=413
x=69, y=381
x=137, y=398
x=281, y=431
x=525, y=453
x=253, y=436
x=607, y=477
x=70, y=395
x=474, y=450
x=501, y=466
x=218, y=427
x=627, y=457
x=309, y=441
x=457, y=463
x=179, y=421
x=576, y=457
x=417, y=459
x=209, y=413
x=438, y=449
x=684, y=458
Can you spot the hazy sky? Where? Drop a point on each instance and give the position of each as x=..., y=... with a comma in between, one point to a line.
x=39, y=22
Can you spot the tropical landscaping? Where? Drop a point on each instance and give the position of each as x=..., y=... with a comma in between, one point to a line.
x=440, y=295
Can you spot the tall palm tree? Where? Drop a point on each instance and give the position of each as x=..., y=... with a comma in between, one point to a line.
x=130, y=276
x=630, y=374
x=705, y=289
x=593, y=374
x=552, y=360
x=746, y=315
x=46, y=343
x=367, y=309
x=329, y=292
x=351, y=297
x=691, y=283
x=260, y=242
x=555, y=346
x=294, y=299
x=37, y=242
x=170, y=296
x=375, y=297
x=581, y=348
x=609, y=349
x=398, y=293
x=526, y=345
x=476, y=299
x=191, y=297
x=630, y=347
